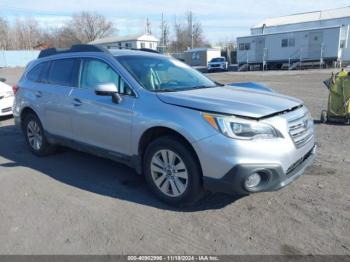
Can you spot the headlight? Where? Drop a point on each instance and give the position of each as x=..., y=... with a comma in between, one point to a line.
x=8, y=94
x=239, y=128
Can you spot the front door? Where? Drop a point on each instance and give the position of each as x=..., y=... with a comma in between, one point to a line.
x=315, y=45
x=259, y=49
x=97, y=120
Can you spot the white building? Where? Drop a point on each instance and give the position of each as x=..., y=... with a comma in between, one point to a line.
x=128, y=42
x=320, y=36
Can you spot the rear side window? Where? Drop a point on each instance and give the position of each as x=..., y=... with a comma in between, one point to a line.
x=36, y=73
x=64, y=72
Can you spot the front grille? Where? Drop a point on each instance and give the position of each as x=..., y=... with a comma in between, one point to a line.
x=7, y=109
x=215, y=65
x=299, y=162
x=301, y=129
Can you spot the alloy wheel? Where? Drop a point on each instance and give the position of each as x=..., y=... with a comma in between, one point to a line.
x=169, y=173
x=34, y=135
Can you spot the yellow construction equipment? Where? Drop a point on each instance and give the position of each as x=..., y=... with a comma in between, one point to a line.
x=339, y=99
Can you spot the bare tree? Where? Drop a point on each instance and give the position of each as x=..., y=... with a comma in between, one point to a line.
x=66, y=37
x=188, y=35
x=4, y=34
x=25, y=34
x=88, y=27
x=165, y=33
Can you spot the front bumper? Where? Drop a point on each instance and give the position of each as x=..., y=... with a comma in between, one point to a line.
x=227, y=162
x=274, y=176
x=217, y=67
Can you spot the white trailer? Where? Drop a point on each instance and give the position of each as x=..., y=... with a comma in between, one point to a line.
x=325, y=45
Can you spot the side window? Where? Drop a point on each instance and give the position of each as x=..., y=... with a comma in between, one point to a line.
x=284, y=43
x=36, y=73
x=64, y=72
x=97, y=72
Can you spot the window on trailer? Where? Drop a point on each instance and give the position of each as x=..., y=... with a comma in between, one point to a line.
x=284, y=43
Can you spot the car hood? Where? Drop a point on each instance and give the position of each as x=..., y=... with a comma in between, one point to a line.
x=4, y=87
x=232, y=100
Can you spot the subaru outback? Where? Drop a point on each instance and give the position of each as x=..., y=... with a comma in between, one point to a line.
x=184, y=132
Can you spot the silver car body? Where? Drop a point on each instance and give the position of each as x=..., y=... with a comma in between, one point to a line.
x=79, y=115
x=218, y=65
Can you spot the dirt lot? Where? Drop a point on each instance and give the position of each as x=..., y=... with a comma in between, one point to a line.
x=74, y=203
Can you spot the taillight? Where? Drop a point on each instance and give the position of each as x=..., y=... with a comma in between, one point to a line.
x=15, y=89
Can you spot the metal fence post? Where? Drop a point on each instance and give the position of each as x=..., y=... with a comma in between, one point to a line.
x=289, y=64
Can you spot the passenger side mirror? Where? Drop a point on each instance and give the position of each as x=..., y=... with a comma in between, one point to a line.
x=108, y=89
x=2, y=79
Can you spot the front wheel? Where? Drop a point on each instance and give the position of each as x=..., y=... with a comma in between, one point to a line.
x=172, y=172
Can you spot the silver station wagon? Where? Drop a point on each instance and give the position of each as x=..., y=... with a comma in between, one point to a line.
x=184, y=132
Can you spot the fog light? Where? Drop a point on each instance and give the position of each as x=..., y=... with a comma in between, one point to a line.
x=252, y=181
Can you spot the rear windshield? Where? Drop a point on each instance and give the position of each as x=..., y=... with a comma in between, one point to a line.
x=219, y=59
x=37, y=72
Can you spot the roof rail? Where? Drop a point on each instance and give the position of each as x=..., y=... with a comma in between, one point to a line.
x=74, y=48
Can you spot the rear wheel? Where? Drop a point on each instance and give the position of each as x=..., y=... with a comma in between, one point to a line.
x=172, y=172
x=35, y=136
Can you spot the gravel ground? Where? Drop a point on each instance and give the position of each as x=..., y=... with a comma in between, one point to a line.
x=74, y=203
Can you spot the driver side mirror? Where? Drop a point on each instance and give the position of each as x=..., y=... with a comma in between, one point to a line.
x=109, y=89
x=2, y=79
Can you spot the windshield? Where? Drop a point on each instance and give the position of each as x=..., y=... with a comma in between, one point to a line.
x=219, y=59
x=163, y=74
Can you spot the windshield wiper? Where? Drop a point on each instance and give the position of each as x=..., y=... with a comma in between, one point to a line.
x=185, y=88
x=202, y=87
x=218, y=84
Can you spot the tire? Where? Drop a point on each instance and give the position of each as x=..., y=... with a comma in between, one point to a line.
x=35, y=136
x=324, y=117
x=173, y=187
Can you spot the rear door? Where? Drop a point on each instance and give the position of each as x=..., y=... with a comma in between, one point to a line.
x=61, y=79
x=96, y=120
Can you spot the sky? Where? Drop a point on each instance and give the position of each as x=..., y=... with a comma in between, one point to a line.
x=222, y=20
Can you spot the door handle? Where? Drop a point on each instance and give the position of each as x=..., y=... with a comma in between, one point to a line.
x=38, y=94
x=77, y=102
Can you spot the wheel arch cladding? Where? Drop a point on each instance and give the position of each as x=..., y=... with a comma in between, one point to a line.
x=153, y=133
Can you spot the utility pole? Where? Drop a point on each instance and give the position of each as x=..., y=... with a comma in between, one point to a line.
x=190, y=25
x=148, y=27
x=163, y=33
